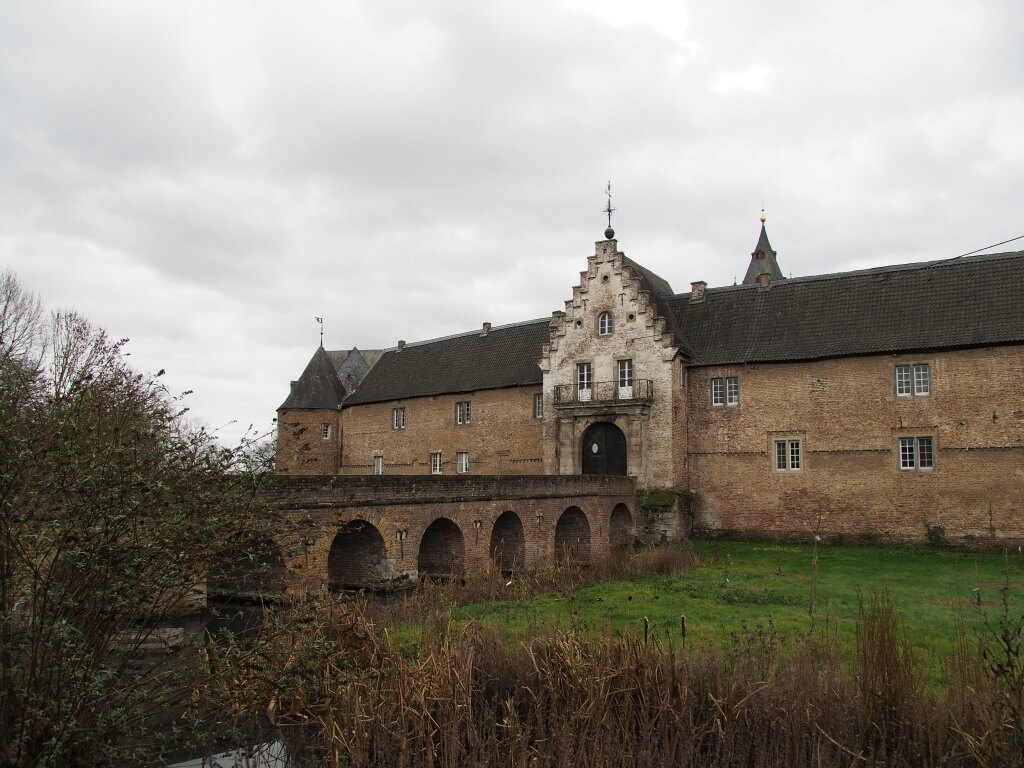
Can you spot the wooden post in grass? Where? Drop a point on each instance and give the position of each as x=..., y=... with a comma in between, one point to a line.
x=813, y=608
x=682, y=628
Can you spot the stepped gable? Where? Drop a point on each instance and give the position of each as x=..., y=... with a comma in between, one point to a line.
x=504, y=356
x=661, y=294
x=318, y=387
x=955, y=303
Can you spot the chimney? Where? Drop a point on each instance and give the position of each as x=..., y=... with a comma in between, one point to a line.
x=487, y=327
x=697, y=291
x=401, y=344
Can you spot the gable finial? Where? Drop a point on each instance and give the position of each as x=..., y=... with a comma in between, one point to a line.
x=609, y=233
x=320, y=320
x=762, y=212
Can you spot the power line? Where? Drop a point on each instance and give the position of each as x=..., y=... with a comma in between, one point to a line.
x=994, y=245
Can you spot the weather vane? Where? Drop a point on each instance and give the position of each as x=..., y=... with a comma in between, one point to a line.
x=320, y=321
x=609, y=233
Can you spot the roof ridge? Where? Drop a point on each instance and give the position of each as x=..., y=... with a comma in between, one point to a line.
x=475, y=332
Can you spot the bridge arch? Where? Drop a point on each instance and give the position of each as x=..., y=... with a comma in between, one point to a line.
x=572, y=536
x=620, y=529
x=442, y=550
x=507, y=547
x=357, y=558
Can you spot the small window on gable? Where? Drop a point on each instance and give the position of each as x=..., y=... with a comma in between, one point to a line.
x=325, y=431
x=913, y=380
x=605, y=325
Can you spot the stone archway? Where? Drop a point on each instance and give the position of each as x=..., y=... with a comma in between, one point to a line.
x=603, y=449
x=572, y=536
x=620, y=529
x=358, y=557
x=249, y=569
x=442, y=550
x=507, y=548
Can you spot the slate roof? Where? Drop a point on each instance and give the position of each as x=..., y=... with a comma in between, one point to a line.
x=318, y=386
x=766, y=265
x=506, y=357
x=964, y=302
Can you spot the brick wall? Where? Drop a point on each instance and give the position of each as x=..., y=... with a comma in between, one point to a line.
x=848, y=419
x=502, y=437
x=404, y=513
x=301, y=447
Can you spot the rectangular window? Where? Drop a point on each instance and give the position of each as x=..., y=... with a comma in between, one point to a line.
x=538, y=405
x=325, y=431
x=913, y=380
x=787, y=455
x=462, y=462
x=378, y=465
x=398, y=418
x=584, y=380
x=725, y=390
x=435, y=463
x=625, y=379
x=462, y=412
x=917, y=453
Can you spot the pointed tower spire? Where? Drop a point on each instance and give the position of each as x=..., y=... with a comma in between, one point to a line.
x=763, y=267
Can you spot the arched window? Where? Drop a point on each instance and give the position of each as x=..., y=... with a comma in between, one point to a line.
x=604, y=324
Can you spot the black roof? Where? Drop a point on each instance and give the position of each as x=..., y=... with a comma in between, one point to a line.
x=506, y=356
x=318, y=386
x=963, y=302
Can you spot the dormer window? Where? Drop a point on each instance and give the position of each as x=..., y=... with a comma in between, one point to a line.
x=605, y=325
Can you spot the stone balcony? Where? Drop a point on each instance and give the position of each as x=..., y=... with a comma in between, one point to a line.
x=604, y=393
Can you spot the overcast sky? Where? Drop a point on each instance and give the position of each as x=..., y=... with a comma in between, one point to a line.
x=207, y=177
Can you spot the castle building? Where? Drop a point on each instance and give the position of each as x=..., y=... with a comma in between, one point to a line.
x=878, y=403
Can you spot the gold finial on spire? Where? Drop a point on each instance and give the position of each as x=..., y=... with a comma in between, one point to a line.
x=762, y=215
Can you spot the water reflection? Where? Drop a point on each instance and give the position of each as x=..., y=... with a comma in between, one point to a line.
x=272, y=755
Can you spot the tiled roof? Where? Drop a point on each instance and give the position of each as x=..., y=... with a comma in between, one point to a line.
x=506, y=357
x=961, y=302
x=318, y=386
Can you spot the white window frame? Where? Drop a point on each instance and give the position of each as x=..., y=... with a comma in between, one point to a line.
x=463, y=412
x=398, y=418
x=787, y=454
x=378, y=465
x=462, y=462
x=538, y=405
x=916, y=453
x=625, y=374
x=584, y=380
x=725, y=390
x=605, y=324
x=436, y=463
x=325, y=431
x=913, y=379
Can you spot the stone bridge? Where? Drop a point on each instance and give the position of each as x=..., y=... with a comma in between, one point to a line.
x=346, y=532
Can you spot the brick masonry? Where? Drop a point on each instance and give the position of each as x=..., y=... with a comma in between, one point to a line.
x=404, y=510
x=849, y=421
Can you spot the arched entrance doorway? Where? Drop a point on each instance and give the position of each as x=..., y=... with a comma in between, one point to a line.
x=442, y=550
x=358, y=558
x=572, y=536
x=620, y=528
x=604, y=450
x=506, y=548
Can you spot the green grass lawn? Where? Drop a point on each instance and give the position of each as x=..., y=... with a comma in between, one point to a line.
x=934, y=591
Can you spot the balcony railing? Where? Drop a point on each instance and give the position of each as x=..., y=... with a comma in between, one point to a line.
x=604, y=392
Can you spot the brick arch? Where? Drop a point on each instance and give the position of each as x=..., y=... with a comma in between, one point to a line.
x=357, y=558
x=507, y=548
x=442, y=550
x=248, y=569
x=572, y=536
x=620, y=528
